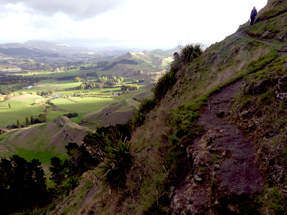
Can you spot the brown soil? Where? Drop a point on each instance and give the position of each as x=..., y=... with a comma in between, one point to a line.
x=238, y=173
x=234, y=171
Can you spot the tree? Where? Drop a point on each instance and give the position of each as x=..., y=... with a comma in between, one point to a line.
x=18, y=123
x=59, y=170
x=27, y=120
x=32, y=119
x=78, y=79
x=9, y=105
x=80, y=159
x=22, y=182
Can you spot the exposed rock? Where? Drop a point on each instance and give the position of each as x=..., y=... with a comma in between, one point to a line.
x=197, y=178
x=202, y=158
x=216, y=166
x=210, y=136
x=282, y=37
x=262, y=86
x=265, y=34
x=191, y=199
x=282, y=96
x=60, y=121
x=282, y=84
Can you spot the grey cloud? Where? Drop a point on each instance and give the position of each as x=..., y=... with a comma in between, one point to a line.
x=75, y=8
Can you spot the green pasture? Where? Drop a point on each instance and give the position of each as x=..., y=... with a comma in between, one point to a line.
x=47, y=85
x=22, y=106
x=32, y=143
x=79, y=105
x=52, y=74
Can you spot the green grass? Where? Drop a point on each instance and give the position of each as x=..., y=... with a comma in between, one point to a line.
x=79, y=105
x=20, y=109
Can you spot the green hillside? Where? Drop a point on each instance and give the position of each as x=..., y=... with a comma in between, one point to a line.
x=216, y=141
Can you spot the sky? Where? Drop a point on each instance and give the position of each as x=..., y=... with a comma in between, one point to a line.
x=145, y=24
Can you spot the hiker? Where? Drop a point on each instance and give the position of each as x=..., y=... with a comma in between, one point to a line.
x=253, y=15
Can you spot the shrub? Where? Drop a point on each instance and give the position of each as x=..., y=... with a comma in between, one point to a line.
x=189, y=52
x=70, y=184
x=117, y=165
x=164, y=84
x=146, y=106
x=41, y=118
x=80, y=159
x=71, y=115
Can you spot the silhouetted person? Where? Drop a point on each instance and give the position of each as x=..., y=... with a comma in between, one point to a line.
x=253, y=15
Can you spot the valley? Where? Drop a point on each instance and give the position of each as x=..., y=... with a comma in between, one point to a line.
x=95, y=94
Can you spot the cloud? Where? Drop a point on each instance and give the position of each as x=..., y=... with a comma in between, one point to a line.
x=74, y=8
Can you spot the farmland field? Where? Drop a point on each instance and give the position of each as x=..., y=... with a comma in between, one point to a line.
x=21, y=106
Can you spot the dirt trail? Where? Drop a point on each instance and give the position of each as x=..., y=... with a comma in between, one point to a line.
x=282, y=51
x=238, y=173
x=238, y=34
x=234, y=169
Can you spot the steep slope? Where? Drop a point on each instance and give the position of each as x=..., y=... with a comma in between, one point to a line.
x=216, y=141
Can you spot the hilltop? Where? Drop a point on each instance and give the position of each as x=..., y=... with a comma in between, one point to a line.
x=215, y=143
x=147, y=64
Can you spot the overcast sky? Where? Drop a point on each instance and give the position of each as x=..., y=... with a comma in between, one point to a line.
x=146, y=24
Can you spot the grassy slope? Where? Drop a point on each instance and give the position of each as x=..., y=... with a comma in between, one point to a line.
x=42, y=141
x=153, y=143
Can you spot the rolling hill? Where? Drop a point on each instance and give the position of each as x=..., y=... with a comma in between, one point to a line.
x=215, y=143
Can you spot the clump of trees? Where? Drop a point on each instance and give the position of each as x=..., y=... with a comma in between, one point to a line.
x=139, y=72
x=22, y=185
x=138, y=81
x=110, y=80
x=109, y=145
x=77, y=79
x=104, y=81
x=127, y=87
x=88, y=85
x=40, y=119
x=71, y=115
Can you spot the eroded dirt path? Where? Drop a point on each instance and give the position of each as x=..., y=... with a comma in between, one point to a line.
x=224, y=163
x=238, y=173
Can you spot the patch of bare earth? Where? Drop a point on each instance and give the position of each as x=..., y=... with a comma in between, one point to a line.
x=225, y=177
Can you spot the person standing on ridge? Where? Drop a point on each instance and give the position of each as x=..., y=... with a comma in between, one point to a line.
x=253, y=15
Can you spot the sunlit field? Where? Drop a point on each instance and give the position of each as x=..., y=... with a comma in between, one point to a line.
x=21, y=106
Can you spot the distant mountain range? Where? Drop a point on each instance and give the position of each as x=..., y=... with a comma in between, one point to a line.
x=40, y=48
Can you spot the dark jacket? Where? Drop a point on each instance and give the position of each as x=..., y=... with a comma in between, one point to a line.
x=253, y=13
